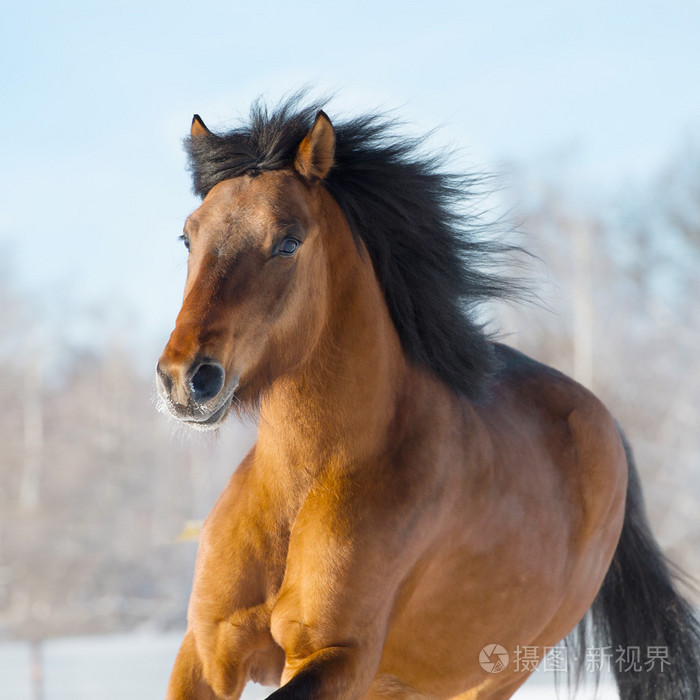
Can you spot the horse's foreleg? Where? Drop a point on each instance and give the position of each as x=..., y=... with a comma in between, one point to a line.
x=187, y=679
x=228, y=640
x=216, y=660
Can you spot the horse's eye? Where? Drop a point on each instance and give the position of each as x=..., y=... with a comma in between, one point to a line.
x=186, y=240
x=288, y=246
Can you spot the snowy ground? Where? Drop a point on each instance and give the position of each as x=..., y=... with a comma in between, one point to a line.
x=137, y=666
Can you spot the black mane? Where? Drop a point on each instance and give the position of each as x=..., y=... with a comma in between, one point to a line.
x=430, y=257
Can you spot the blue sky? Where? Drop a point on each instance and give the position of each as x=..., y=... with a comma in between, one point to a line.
x=97, y=96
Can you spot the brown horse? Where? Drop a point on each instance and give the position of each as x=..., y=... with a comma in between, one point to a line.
x=417, y=493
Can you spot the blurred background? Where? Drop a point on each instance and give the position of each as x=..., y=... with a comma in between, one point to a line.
x=588, y=112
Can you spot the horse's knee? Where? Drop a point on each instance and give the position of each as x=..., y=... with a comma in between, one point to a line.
x=220, y=648
x=187, y=679
x=208, y=665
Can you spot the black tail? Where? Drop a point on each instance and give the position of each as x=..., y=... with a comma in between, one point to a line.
x=638, y=607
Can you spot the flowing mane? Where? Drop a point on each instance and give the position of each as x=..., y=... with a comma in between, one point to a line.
x=431, y=258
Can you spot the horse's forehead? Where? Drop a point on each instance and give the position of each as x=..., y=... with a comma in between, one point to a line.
x=263, y=200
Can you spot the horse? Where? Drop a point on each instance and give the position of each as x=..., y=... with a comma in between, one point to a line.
x=422, y=502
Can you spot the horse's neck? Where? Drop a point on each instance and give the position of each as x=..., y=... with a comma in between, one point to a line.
x=338, y=407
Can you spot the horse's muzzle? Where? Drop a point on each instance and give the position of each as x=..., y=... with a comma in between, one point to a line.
x=197, y=395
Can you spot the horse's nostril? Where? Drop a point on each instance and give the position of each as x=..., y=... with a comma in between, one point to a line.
x=164, y=378
x=207, y=381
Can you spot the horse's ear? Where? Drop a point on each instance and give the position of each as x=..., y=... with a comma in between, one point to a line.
x=316, y=152
x=198, y=127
